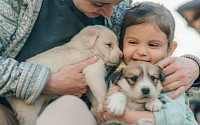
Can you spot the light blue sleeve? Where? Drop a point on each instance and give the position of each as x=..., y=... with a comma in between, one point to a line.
x=23, y=80
x=174, y=112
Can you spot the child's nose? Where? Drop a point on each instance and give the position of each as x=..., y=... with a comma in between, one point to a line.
x=142, y=51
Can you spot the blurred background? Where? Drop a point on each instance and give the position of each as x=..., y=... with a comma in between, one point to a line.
x=187, y=34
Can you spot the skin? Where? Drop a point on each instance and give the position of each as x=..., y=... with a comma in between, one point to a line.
x=61, y=83
x=143, y=42
x=95, y=8
x=151, y=47
x=180, y=74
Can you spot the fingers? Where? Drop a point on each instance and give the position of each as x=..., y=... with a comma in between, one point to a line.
x=84, y=64
x=164, y=63
x=178, y=92
x=171, y=86
x=171, y=78
x=105, y=107
x=84, y=90
x=168, y=67
x=113, y=88
x=80, y=93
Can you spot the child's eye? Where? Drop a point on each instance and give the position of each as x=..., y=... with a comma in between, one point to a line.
x=132, y=42
x=153, y=45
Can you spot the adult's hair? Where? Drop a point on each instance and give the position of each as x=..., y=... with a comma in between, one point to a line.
x=149, y=12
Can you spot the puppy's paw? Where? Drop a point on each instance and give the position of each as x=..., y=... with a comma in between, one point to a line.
x=98, y=116
x=145, y=121
x=100, y=107
x=116, y=103
x=154, y=105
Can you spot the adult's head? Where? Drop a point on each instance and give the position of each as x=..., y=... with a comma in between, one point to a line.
x=95, y=8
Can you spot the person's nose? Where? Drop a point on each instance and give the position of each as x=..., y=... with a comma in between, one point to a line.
x=142, y=50
x=107, y=10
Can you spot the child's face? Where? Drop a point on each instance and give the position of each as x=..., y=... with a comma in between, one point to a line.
x=146, y=42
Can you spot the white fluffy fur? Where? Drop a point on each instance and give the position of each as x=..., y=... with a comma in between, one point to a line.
x=91, y=41
x=131, y=91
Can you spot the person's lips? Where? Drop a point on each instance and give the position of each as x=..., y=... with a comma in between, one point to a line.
x=97, y=14
x=135, y=59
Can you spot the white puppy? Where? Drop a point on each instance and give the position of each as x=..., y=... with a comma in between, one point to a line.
x=91, y=41
x=140, y=85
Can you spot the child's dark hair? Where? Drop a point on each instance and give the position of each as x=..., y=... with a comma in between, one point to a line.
x=149, y=12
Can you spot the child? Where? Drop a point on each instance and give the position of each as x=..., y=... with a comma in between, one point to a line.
x=147, y=35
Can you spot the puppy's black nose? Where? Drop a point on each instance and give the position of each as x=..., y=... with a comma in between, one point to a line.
x=145, y=90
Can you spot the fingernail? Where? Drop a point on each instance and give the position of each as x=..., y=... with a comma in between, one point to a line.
x=94, y=59
x=104, y=116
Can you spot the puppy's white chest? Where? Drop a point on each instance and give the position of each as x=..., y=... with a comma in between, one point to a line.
x=136, y=106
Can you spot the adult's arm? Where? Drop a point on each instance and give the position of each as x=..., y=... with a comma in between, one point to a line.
x=23, y=80
x=180, y=73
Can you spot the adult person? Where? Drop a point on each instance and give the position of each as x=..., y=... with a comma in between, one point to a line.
x=43, y=24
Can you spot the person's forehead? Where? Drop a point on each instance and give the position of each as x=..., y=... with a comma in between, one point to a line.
x=106, y=1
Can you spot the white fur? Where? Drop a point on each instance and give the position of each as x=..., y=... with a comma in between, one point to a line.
x=116, y=103
x=91, y=41
x=133, y=94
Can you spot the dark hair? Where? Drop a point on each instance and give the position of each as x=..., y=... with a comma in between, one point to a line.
x=149, y=12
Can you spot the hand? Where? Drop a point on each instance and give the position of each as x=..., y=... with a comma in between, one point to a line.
x=113, y=88
x=123, y=118
x=69, y=80
x=107, y=115
x=180, y=74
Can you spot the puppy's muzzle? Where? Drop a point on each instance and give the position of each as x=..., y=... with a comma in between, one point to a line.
x=145, y=91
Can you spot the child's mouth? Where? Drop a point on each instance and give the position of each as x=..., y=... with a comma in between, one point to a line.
x=140, y=60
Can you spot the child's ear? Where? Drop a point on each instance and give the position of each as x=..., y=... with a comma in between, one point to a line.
x=172, y=48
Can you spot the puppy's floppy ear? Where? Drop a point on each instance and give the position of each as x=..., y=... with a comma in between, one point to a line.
x=162, y=74
x=116, y=75
x=89, y=36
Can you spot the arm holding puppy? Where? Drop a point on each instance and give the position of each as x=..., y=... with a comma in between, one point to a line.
x=57, y=84
x=171, y=108
x=180, y=73
x=60, y=83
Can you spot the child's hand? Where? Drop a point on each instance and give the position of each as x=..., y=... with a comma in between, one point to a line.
x=113, y=88
x=180, y=74
x=107, y=115
x=123, y=118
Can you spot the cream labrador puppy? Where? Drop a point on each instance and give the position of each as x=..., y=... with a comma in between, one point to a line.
x=91, y=41
x=140, y=84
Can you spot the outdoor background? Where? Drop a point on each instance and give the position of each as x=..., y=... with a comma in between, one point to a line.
x=188, y=39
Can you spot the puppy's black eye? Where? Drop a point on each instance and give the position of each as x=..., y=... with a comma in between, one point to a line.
x=134, y=78
x=108, y=44
x=153, y=78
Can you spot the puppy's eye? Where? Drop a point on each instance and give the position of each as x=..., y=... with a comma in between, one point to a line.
x=134, y=78
x=109, y=45
x=153, y=78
